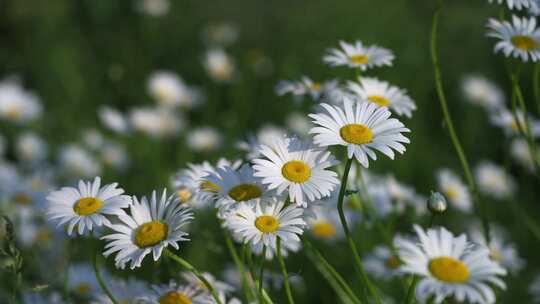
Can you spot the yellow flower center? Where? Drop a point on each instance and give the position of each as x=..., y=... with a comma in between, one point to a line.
x=14, y=113
x=359, y=59
x=356, y=134
x=267, y=223
x=43, y=236
x=495, y=255
x=22, y=199
x=315, y=86
x=449, y=270
x=184, y=195
x=208, y=186
x=525, y=43
x=245, y=192
x=87, y=205
x=451, y=193
x=392, y=262
x=296, y=171
x=324, y=229
x=82, y=288
x=174, y=297
x=151, y=233
x=380, y=100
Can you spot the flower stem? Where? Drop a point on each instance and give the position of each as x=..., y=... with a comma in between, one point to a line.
x=284, y=272
x=261, y=273
x=193, y=270
x=241, y=268
x=100, y=280
x=450, y=125
x=350, y=241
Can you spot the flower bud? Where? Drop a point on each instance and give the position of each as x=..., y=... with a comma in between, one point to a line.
x=437, y=203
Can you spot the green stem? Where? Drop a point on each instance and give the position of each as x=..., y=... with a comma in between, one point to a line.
x=284, y=272
x=240, y=265
x=261, y=273
x=448, y=120
x=348, y=236
x=193, y=270
x=100, y=280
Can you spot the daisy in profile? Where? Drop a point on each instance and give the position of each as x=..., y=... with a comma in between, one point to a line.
x=450, y=267
x=521, y=38
x=236, y=186
x=152, y=225
x=357, y=55
x=454, y=189
x=514, y=124
x=298, y=167
x=204, y=139
x=87, y=206
x=168, y=89
x=260, y=223
x=480, y=91
x=383, y=94
x=501, y=250
x=362, y=127
x=156, y=122
x=494, y=181
x=113, y=119
x=305, y=86
x=517, y=4
x=325, y=223
x=219, y=65
x=382, y=263
x=31, y=148
x=18, y=105
x=519, y=150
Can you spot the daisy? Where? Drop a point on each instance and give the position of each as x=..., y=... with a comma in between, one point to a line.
x=359, y=56
x=31, y=148
x=154, y=8
x=114, y=156
x=113, y=119
x=494, y=181
x=454, y=189
x=236, y=186
x=480, y=91
x=204, y=139
x=325, y=223
x=125, y=292
x=298, y=167
x=450, y=267
x=151, y=226
x=156, y=122
x=305, y=86
x=362, y=127
x=87, y=206
x=267, y=135
x=260, y=223
x=219, y=65
x=511, y=126
x=168, y=89
x=18, y=105
x=517, y=4
x=382, y=263
x=520, y=38
x=298, y=123
x=220, y=287
x=519, y=150
x=383, y=94
x=82, y=280
x=175, y=293
x=76, y=161
x=501, y=250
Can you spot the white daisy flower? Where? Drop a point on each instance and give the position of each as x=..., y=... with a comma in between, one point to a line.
x=521, y=38
x=260, y=223
x=519, y=150
x=494, y=181
x=383, y=94
x=381, y=263
x=325, y=224
x=480, y=91
x=298, y=123
x=517, y=4
x=87, y=206
x=76, y=161
x=501, y=250
x=219, y=65
x=82, y=280
x=173, y=293
x=168, y=89
x=204, y=139
x=154, y=8
x=265, y=136
x=125, y=292
x=359, y=56
x=298, y=167
x=93, y=139
x=362, y=128
x=454, y=189
x=305, y=86
x=151, y=226
x=156, y=122
x=31, y=148
x=115, y=155
x=236, y=186
x=113, y=119
x=511, y=126
x=450, y=267
x=220, y=287
x=17, y=104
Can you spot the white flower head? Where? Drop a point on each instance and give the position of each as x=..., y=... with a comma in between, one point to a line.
x=382, y=263
x=360, y=126
x=204, y=139
x=494, y=181
x=76, y=161
x=219, y=65
x=514, y=123
x=113, y=119
x=305, y=86
x=298, y=167
x=168, y=89
x=18, y=105
x=176, y=293
x=454, y=190
x=152, y=225
x=383, y=94
x=357, y=55
x=519, y=39
x=31, y=148
x=156, y=122
x=519, y=150
x=450, y=267
x=87, y=206
x=479, y=90
x=154, y=8
x=515, y=4
x=265, y=136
